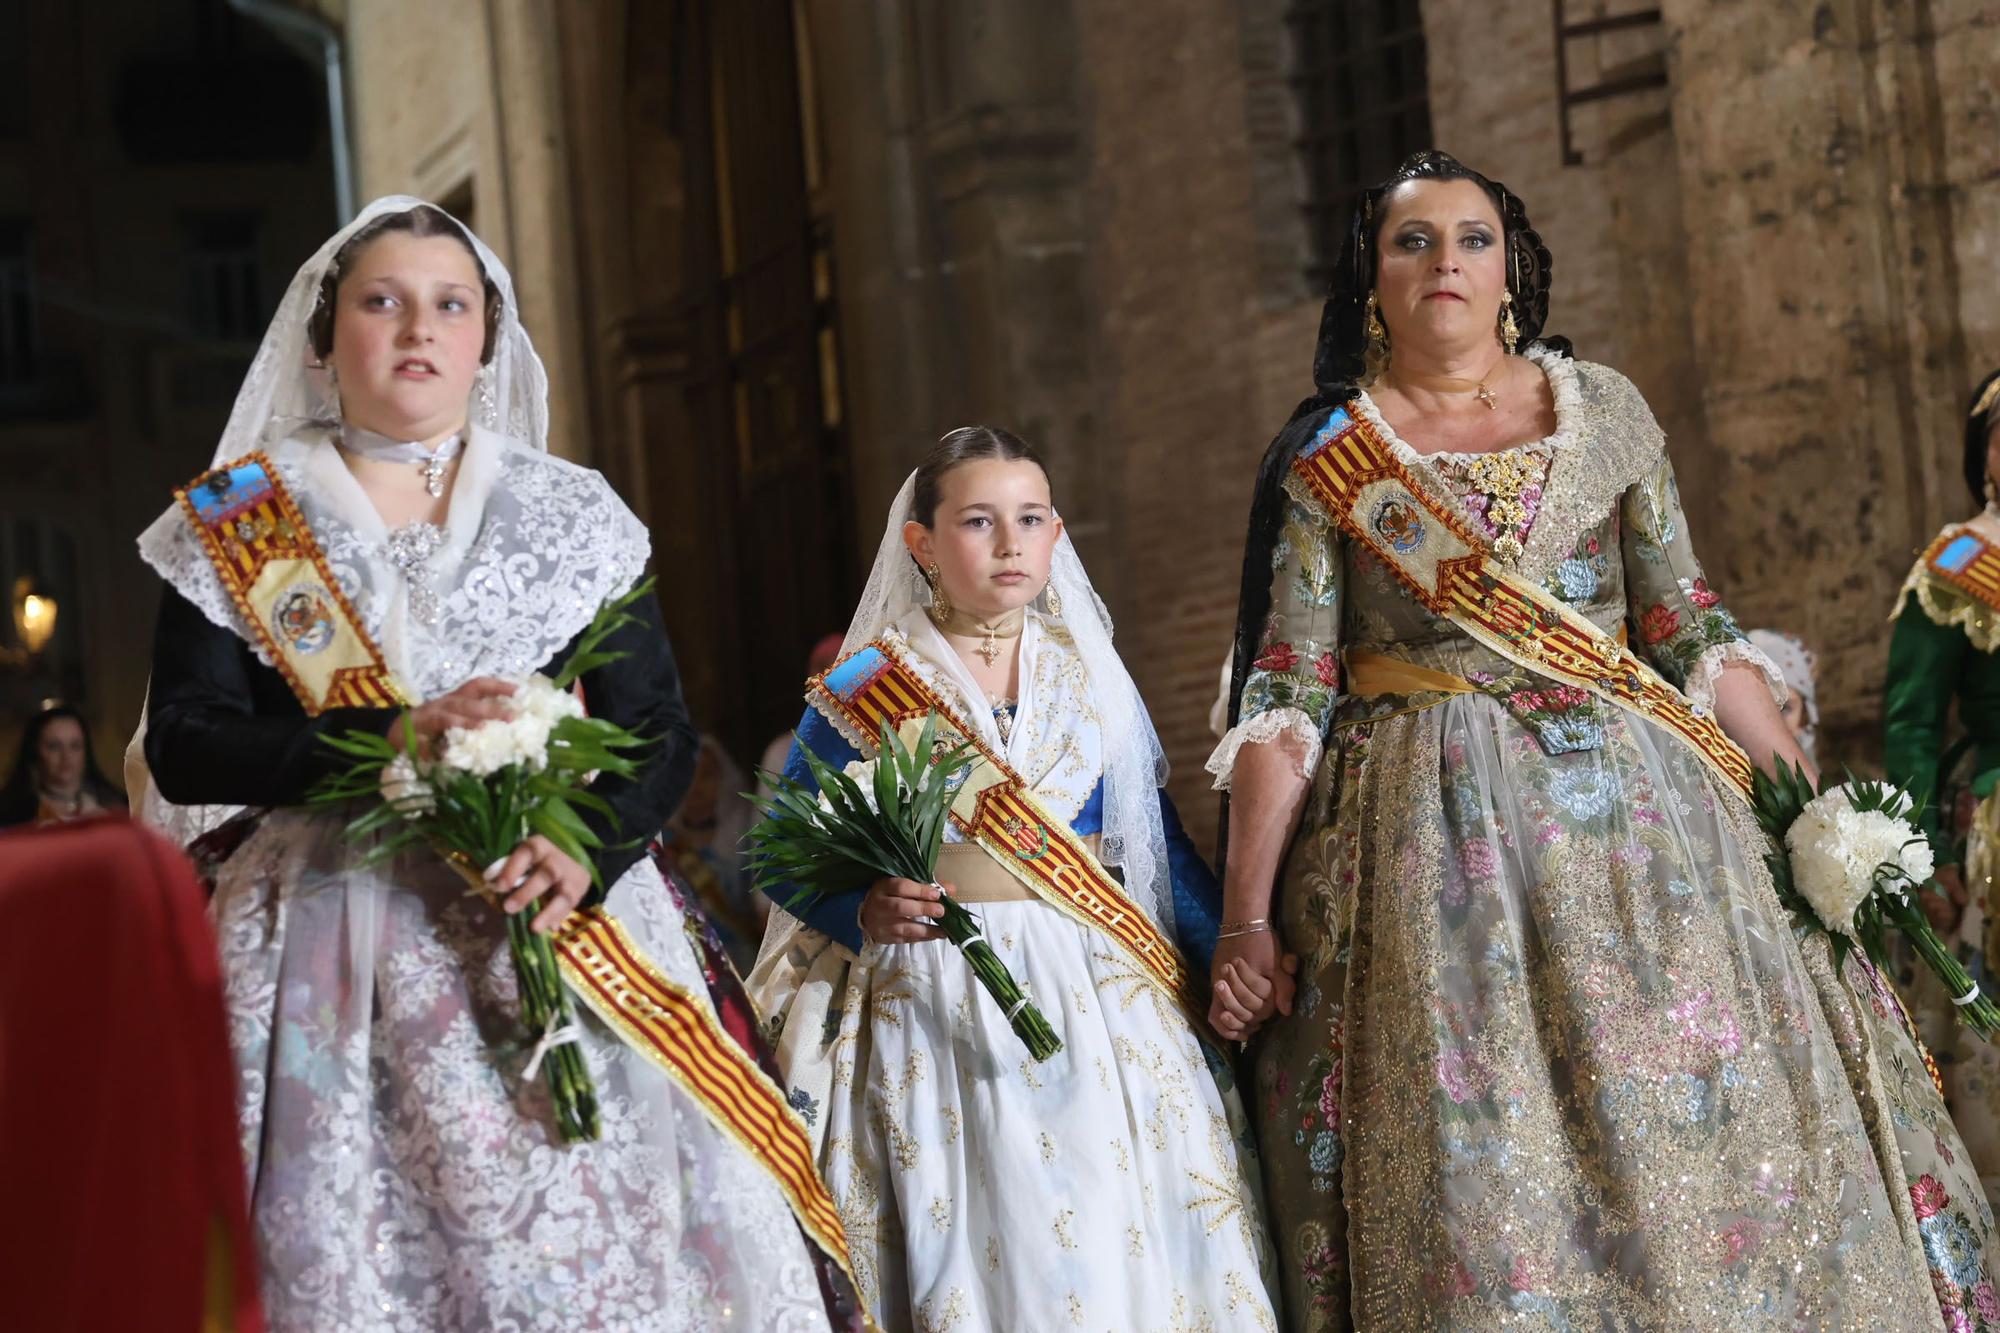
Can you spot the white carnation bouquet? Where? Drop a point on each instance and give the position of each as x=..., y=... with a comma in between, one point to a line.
x=482, y=792
x=1851, y=862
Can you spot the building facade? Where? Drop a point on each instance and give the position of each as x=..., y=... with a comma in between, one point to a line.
x=163, y=170
x=772, y=249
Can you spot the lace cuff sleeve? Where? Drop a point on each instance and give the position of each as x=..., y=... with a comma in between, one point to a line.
x=1707, y=670
x=1299, y=732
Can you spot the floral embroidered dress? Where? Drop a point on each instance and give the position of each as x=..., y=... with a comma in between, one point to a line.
x=1110, y=1187
x=1557, y=1060
x=404, y=1174
x=1945, y=650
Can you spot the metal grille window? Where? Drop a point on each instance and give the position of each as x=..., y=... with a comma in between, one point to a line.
x=18, y=352
x=1359, y=77
x=224, y=289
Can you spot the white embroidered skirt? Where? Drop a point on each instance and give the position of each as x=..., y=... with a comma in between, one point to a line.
x=404, y=1177
x=1102, y=1189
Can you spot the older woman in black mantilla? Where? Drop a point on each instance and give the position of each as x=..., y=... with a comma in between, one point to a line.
x=1534, y=1041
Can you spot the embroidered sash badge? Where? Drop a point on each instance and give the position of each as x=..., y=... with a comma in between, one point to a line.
x=275, y=573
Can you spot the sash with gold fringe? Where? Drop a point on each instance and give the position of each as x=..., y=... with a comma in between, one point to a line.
x=272, y=566
x=1968, y=562
x=996, y=809
x=609, y=973
x=1368, y=491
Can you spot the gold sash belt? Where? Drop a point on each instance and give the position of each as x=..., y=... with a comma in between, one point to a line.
x=1368, y=673
x=975, y=877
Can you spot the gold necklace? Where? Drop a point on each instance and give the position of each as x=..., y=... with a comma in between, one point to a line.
x=1008, y=625
x=1505, y=477
x=1450, y=384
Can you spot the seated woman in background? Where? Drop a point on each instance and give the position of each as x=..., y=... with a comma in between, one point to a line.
x=56, y=777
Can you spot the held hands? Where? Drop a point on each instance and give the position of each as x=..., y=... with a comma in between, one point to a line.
x=535, y=868
x=478, y=700
x=1253, y=980
x=899, y=911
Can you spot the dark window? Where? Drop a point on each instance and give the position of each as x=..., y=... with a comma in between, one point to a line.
x=225, y=296
x=17, y=305
x=1358, y=72
x=15, y=90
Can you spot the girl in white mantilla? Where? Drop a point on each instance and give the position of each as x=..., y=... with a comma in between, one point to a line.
x=1108, y=1187
x=405, y=1174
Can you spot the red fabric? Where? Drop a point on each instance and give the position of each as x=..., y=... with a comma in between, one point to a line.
x=118, y=1153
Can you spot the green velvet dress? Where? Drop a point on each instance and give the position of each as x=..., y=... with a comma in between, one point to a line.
x=1945, y=651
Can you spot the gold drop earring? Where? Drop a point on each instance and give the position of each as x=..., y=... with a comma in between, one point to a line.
x=940, y=607
x=1510, y=332
x=1376, y=331
x=1052, y=599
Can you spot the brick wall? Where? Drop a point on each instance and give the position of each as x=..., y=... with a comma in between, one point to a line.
x=1181, y=347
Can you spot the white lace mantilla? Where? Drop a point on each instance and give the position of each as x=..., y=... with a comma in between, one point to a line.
x=532, y=546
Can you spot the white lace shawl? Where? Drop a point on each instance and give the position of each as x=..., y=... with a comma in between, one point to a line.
x=555, y=539
x=533, y=546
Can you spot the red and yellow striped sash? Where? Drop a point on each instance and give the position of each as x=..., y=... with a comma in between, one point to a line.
x=609, y=973
x=997, y=810
x=274, y=571
x=1368, y=491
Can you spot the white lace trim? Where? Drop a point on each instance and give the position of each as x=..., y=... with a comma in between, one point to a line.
x=1708, y=669
x=1273, y=724
x=1604, y=441
x=1561, y=373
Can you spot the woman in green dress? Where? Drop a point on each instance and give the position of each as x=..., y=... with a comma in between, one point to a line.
x=1946, y=649
x=1552, y=1056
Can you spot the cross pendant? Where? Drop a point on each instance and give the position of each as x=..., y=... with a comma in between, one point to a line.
x=434, y=474
x=988, y=650
x=1488, y=397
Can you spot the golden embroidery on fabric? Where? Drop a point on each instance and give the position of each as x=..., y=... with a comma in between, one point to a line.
x=1242, y=1295
x=933, y=1319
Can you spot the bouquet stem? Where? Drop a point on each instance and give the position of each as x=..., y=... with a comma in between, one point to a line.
x=962, y=929
x=546, y=1012
x=1979, y=1013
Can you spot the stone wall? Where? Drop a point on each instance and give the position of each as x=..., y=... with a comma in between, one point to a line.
x=1832, y=168
x=1790, y=249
